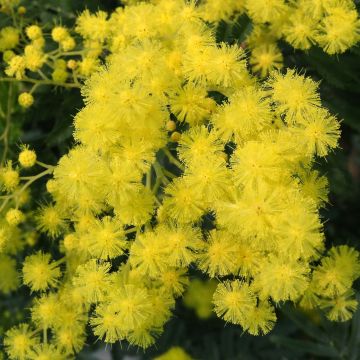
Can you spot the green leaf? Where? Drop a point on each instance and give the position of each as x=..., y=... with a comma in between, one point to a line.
x=305, y=324
x=305, y=346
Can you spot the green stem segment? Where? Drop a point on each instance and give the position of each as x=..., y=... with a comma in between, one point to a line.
x=43, y=82
x=173, y=159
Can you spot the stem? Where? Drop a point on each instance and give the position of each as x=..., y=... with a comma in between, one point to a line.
x=45, y=335
x=13, y=15
x=156, y=186
x=169, y=174
x=42, y=82
x=43, y=76
x=173, y=159
x=46, y=166
x=148, y=179
x=158, y=201
x=34, y=88
x=159, y=173
x=31, y=180
x=130, y=231
x=3, y=205
x=34, y=178
x=5, y=134
x=59, y=262
x=69, y=53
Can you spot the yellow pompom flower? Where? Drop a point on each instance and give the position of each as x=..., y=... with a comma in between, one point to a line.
x=251, y=212
x=59, y=33
x=14, y=217
x=9, y=177
x=319, y=130
x=132, y=305
x=183, y=243
x=45, y=310
x=126, y=310
x=45, y=351
x=33, y=32
x=8, y=55
x=299, y=233
x=25, y=100
x=106, y=325
x=191, y=104
x=295, y=95
x=220, y=254
x=92, y=279
x=315, y=186
x=301, y=31
x=339, y=29
x=262, y=11
x=148, y=254
x=16, y=67
x=9, y=38
x=257, y=162
x=247, y=113
x=198, y=296
x=211, y=182
x=281, y=279
x=88, y=65
x=59, y=75
x=68, y=43
x=341, y=307
x=70, y=340
x=227, y=65
x=337, y=271
x=27, y=157
x=92, y=26
x=39, y=273
x=34, y=57
x=199, y=144
x=4, y=236
x=106, y=238
x=10, y=280
x=19, y=341
x=233, y=300
x=260, y=319
x=78, y=177
x=265, y=58
x=173, y=281
x=183, y=202
x=50, y=220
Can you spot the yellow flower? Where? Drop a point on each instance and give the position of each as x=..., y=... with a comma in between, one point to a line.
x=27, y=157
x=9, y=38
x=106, y=238
x=19, y=341
x=10, y=280
x=233, y=300
x=295, y=95
x=281, y=279
x=265, y=58
x=39, y=273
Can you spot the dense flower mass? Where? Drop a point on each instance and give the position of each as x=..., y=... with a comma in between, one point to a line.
x=183, y=158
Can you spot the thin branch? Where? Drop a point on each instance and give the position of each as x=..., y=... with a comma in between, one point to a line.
x=42, y=82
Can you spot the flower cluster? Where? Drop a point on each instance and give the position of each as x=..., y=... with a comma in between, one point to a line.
x=182, y=160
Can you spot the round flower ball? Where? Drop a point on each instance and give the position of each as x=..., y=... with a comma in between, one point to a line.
x=33, y=32
x=14, y=217
x=25, y=100
x=27, y=158
x=59, y=33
